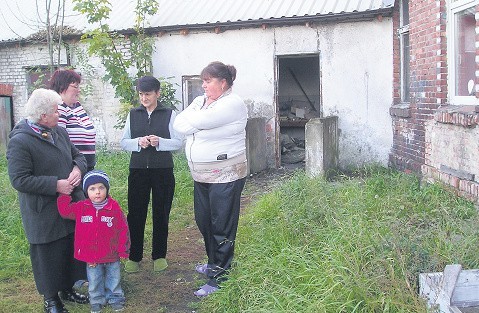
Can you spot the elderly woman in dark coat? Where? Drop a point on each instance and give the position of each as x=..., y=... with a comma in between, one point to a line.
x=42, y=162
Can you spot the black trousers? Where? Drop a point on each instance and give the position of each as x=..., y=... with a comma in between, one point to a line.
x=160, y=182
x=217, y=208
x=54, y=267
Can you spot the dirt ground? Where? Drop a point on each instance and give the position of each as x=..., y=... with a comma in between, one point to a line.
x=172, y=290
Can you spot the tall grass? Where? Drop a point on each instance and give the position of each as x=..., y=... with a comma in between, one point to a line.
x=355, y=245
x=14, y=249
x=352, y=245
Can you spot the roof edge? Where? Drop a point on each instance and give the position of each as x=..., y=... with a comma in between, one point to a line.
x=284, y=21
x=296, y=20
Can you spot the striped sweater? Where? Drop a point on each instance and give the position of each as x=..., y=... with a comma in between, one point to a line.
x=80, y=130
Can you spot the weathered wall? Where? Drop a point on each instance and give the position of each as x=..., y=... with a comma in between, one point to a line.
x=251, y=51
x=428, y=82
x=13, y=63
x=356, y=86
x=355, y=65
x=355, y=74
x=449, y=146
x=451, y=149
x=432, y=137
x=101, y=104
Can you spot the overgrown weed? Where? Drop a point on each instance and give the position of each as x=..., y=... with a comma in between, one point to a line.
x=353, y=244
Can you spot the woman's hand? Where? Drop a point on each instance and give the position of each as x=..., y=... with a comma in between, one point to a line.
x=154, y=140
x=144, y=142
x=74, y=178
x=64, y=186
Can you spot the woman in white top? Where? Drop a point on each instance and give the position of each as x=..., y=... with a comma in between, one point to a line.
x=214, y=126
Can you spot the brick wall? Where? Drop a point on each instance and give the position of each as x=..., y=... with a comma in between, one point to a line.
x=431, y=137
x=101, y=104
x=428, y=76
x=14, y=61
x=6, y=89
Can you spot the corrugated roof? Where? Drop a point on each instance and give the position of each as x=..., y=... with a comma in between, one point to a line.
x=16, y=22
x=202, y=12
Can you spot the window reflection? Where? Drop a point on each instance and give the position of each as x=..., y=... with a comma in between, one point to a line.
x=465, y=50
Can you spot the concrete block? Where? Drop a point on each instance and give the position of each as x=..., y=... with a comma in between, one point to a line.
x=321, y=145
x=256, y=145
x=451, y=290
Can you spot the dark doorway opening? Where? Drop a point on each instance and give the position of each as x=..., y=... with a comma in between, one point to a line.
x=298, y=100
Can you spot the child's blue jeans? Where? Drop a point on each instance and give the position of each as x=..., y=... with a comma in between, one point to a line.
x=104, y=284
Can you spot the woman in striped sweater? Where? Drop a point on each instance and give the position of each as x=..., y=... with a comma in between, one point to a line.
x=72, y=114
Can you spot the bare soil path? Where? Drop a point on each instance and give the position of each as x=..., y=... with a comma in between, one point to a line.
x=172, y=290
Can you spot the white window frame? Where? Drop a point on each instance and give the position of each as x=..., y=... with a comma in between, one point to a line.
x=186, y=81
x=454, y=7
x=403, y=31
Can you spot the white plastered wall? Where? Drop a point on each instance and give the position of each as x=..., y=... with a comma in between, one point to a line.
x=355, y=72
x=356, y=75
x=251, y=51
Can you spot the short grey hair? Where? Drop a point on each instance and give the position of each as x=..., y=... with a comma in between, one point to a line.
x=40, y=102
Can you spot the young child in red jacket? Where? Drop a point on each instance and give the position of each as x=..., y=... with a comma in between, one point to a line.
x=101, y=239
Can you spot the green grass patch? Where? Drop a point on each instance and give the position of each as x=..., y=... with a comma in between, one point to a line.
x=348, y=245
x=15, y=266
x=14, y=248
x=352, y=245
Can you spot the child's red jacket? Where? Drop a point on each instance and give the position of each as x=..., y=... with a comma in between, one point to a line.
x=101, y=236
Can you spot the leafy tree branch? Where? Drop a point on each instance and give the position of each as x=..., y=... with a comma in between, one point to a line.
x=134, y=57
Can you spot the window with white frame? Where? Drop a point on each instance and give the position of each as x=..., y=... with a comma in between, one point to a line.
x=191, y=88
x=462, y=51
x=404, y=46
